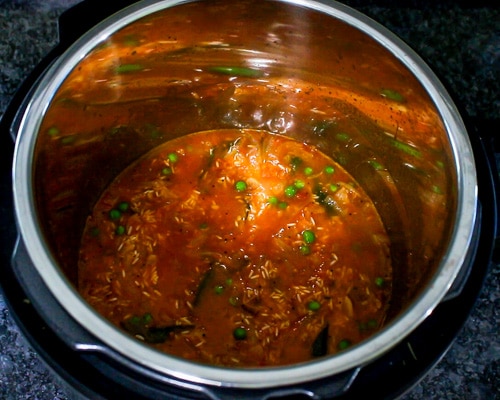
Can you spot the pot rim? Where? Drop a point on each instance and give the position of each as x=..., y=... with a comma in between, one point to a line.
x=252, y=378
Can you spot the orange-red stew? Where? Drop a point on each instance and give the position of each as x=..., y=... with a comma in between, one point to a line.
x=237, y=247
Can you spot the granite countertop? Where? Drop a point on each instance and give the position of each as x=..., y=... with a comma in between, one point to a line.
x=461, y=42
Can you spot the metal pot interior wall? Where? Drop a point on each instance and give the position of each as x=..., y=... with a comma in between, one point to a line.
x=159, y=78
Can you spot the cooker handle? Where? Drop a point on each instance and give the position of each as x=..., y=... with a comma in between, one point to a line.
x=38, y=296
x=463, y=275
x=487, y=138
x=326, y=388
x=487, y=157
x=11, y=120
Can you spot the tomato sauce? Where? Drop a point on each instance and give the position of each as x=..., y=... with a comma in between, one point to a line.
x=238, y=247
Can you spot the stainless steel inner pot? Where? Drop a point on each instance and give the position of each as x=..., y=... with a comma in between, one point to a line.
x=326, y=46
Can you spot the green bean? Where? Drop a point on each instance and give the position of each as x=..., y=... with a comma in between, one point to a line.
x=376, y=165
x=405, y=147
x=70, y=139
x=392, y=95
x=299, y=184
x=237, y=71
x=343, y=137
x=140, y=326
x=126, y=68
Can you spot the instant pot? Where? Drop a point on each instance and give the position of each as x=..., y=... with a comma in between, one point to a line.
x=95, y=360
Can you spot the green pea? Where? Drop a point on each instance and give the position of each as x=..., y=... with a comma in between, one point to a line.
x=219, y=289
x=436, y=189
x=334, y=187
x=234, y=300
x=379, y=281
x=343, y=137
x=313, y=305
x=147, y=318
x=308, y=236
x=240, y=333
x=372, y=323
x=290, y=191
x=123, y=206
x=299, y=184
x=344, y=344
x=308, y=171
x=240, y=186
x=329, y=169
x=155, y=133
x=282, y=205
x=273, y=200
x=173, y=157
x=305, y=250
x=120, y=230
x=53, y=131
x=115, y=214
x=166, y=171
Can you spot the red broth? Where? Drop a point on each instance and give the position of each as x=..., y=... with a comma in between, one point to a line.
x=238, y=247
x=220, y=66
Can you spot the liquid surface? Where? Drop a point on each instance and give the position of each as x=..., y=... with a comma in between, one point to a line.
x=238, y=247
x=272, y=66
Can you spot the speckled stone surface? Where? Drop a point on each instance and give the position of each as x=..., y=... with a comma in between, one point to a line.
x=461, y=43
